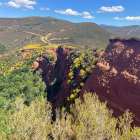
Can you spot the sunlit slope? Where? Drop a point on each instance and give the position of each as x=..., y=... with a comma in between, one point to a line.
x=16, y=33
x=83, y=34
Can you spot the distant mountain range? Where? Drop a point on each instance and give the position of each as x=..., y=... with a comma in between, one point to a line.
x=104, y=25
x=133, y=30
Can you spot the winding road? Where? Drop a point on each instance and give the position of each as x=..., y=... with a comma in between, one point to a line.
x=44, y=39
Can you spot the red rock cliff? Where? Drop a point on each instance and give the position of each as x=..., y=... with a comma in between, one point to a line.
x=56, y=74
x=62, y=66
x=116, y=77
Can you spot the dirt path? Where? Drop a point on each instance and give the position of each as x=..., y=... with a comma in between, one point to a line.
x=32, y=33
x=25, y=32
x=44, y=39
x=49, y=34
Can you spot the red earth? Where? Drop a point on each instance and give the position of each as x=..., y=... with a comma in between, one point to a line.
x=116, y=78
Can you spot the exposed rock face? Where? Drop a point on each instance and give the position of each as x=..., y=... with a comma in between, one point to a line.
x=56, y=74
x=62, y=66
x=116, y=77
x=46, y=67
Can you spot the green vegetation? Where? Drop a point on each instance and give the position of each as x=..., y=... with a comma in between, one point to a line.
x=71, y=40
x=86, y=120
x=29, y=30
x=21, y=82
x=25, y=112
x=41, y=20
x=16, y=59
x=83, y=63
x=17, y=78
x=84, y=34
x=2, y=48
x=126, y=38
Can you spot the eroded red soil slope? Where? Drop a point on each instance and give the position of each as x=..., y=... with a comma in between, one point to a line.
x=116, y=77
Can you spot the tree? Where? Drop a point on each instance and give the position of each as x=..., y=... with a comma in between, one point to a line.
x=2, y=48
x=29, y=123
x=86, y=47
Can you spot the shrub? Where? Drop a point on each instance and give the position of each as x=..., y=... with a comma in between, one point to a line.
x=87, y=120
x=71, y=40
x=52, y=57
x=33, y=122
x=2, y=49
x=82, y=73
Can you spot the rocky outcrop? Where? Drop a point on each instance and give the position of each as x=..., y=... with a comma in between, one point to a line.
x=26, y=52
x=61, y=89
x=46, y=67
x=55, y=76
x=62, y=67
x=116, y=77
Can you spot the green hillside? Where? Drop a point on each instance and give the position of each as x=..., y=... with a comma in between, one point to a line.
x=84, y=34
x=16, y=33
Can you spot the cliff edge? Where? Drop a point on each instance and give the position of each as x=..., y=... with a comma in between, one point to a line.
x=116, y=77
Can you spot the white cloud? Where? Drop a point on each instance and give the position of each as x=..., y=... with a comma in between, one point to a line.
x=0, y=3
x=117, y=18
x=29, y=7
x=13, y=4
x=19, y=3
x=71, y=12
x=87, y=15
x=92, y=12
x=25, y=2
x=132, y=18
x=128, y=18
x=68, y=12
x=42, y=8
x=111, y=9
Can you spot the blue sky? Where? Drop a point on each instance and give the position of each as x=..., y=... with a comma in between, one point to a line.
x=110, y=12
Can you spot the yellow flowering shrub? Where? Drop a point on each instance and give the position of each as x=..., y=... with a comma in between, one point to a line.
x=35, y=46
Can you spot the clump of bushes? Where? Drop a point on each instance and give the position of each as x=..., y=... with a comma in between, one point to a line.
x=125, y=38
x=87, y=120
x=2, y=48
x=83, y=62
